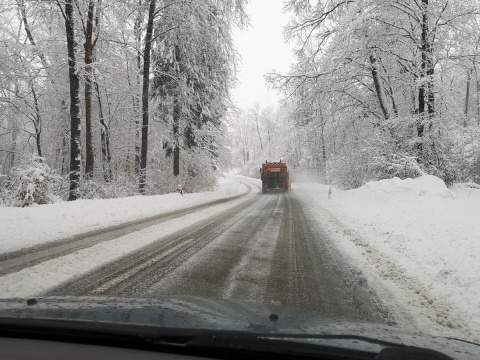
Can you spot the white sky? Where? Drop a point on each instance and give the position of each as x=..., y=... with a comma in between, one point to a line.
x=262, y=49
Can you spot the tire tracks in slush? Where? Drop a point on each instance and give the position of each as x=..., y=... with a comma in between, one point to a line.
x=11, y=262
x=309, y=273
x=236, y=262
x=265, y=250
x=112, y=277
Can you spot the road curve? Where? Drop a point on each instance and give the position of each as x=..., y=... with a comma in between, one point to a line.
x=264, y=250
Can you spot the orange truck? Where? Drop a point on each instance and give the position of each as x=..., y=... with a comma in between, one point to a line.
x=274, y=177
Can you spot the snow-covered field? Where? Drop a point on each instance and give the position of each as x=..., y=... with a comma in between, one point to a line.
x=416, y=238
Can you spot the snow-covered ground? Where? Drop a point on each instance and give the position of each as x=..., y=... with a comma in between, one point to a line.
x=416, y=238
x=417, y=241
x=26, y=227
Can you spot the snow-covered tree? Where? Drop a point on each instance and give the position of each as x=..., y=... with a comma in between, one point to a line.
x=101, y=131
x=378, y=79
x=192, y=82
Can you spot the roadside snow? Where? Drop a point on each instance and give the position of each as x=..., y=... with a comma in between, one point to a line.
x=418, y=239
x=26, y=227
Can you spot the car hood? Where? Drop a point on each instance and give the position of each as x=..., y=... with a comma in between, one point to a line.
x=188, y=312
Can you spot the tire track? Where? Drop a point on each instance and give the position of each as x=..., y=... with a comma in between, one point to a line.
x=309, y=273
x=123, y=274
x=235, y=261
x=264, y=250
x=11, y=262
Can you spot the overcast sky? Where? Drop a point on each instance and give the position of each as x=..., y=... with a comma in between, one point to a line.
x=262, y=48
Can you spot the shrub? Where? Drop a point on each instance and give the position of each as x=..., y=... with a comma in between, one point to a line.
x=32, y=182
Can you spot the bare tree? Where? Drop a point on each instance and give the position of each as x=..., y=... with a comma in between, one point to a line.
x=74, y=79
x=145, y=95
x=89, y=46
x=255, y=117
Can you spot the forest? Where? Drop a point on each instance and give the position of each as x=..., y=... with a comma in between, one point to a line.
x=112, y=98
x=380, y=89
x=107, y=98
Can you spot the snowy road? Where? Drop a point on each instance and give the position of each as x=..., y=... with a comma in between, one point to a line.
x=264, y=249
x=395, y=251
x=17, y=260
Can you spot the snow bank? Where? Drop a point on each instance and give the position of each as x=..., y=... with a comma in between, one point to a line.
x=427, y=185
x=25, y=227
x=420, y=239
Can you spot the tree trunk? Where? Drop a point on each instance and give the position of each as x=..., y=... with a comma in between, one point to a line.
x=31, y=39
x=324, y=152
x=104, y=137
x=390, y=92
x=426, y=97
x=136, y=102
x=89, y=46
x=430, y=70
x=64, y=155
x=38, y=119
x=105, y=128
x=467, y=98
x=176, y=136
x=378, y=86
x=13, y=148
x=28, y=31
x=256, y=110
x=477, y=83
x=145, y=96
x=75, y=148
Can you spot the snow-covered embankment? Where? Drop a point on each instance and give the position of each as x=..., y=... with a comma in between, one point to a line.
x=417, y=239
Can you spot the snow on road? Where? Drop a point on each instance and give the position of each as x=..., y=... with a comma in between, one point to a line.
x=418, y=239
x=26, y=227
x=38, y=279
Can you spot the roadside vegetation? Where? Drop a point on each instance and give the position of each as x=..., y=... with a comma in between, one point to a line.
x=113, y=98
x=380, y=89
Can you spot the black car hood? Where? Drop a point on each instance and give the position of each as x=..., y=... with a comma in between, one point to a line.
x=188, y=312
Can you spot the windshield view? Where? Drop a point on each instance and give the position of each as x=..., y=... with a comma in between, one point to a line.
x=305, y=172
